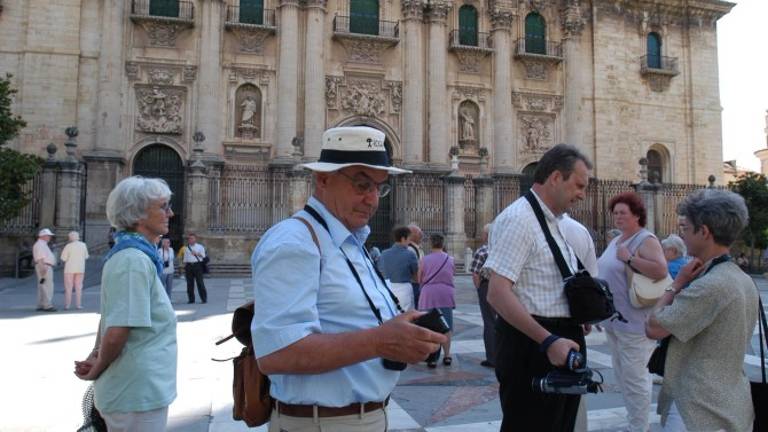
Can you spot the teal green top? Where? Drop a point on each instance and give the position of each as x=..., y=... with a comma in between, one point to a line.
x=143, y=376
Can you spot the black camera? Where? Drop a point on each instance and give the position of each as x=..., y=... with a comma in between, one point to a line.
x=432, y=320
x=575, y=379
x=165, y=264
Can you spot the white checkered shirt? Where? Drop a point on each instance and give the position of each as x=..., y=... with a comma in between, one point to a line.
x=518, y=251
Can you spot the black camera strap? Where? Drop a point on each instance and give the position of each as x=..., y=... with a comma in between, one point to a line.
x=565, y=270
x=312, y=212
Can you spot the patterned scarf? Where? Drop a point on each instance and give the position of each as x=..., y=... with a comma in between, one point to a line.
x=130, y=239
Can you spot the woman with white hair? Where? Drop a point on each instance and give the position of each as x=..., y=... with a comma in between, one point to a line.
x=133, y=363
x=74, y=255
x=675, y=253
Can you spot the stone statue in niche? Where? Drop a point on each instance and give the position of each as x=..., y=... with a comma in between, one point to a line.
x=248, y=112
x=468, y=117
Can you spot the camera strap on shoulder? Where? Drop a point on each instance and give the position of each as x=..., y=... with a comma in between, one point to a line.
x=565, y=271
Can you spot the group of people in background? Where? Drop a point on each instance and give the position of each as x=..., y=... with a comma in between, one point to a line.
x=74, y=255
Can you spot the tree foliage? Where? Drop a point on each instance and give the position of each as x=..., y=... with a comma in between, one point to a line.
x=754, y=188
x=16, y=169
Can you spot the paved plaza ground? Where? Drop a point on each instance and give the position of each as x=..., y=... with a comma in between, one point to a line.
x=40, y=392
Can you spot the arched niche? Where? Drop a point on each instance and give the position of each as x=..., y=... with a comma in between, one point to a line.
x=248, y=108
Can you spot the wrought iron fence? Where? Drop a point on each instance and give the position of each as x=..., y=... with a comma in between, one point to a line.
x=469, y=38
x=657, y=63
x=667, y=199
x=420, y=198
x=28, y=219
x=543, y=47
x=184, y=10
x=470, y=208
x=366, y=26
x=250, y=15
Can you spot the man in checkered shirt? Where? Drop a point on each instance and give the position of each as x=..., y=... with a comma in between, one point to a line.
x=480, y=279
x=534, y=329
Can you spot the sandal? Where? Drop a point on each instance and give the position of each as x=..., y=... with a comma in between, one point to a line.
x=447, y=360
x=431, y=364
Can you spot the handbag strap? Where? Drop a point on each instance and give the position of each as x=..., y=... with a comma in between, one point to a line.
x=565, y=271
x=437, y=272
x=763, y=329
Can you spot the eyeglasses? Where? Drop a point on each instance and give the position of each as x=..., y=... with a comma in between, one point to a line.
x=166, y=207
x=368, y=186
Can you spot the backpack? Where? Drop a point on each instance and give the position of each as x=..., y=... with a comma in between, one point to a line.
x=250, y=387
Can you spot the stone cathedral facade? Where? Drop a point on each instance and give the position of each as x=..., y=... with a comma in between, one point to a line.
x=189, y=89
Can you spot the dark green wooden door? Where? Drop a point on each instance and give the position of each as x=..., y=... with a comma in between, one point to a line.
x=535, y=34
x=166, y=8
x=364, y=16
x=160, y=161
x=468, y=26
x=252, y=11
x=654, y=51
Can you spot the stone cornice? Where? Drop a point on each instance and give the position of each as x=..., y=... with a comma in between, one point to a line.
x=437, y=12
x=315, y=4
x=662, y=12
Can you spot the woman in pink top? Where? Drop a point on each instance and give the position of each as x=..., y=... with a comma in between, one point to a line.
x=436, y=279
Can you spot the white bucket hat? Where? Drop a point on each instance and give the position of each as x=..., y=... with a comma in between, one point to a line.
x=349, y=146
x=44, y=232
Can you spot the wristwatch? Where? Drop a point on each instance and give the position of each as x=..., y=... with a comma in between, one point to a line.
x=629, y=260
x=670, y=288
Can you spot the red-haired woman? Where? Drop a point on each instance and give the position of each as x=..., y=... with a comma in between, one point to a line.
x=630, y=348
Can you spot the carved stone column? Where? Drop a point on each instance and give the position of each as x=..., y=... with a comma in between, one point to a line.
x=69, y=192
x=455, y=236
x=314, y=79
x=109, y=92
x=413, y=77
x=287, y=77
x=503, y=142
x=209, y=76
x=196, y=218
x=577, y=76
x=439, y=118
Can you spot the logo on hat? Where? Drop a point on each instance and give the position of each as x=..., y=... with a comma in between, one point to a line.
x=350, y=146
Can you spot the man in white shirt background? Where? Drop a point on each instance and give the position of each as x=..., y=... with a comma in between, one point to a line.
x=44, y=263
x=194, y=254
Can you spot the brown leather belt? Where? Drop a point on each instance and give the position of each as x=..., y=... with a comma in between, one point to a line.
x=308, y=410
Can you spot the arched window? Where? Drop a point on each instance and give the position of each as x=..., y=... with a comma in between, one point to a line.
x=252, y=11
x=655, y=166
x=468, y=25
x=535, y=34
x=166, y=8
x=654, y=50
x=364, y=16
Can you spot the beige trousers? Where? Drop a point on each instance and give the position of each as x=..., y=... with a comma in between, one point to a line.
x=45, y=289
x=137, y=421
x=73, y=280
x=630, y=353
x=373, y=421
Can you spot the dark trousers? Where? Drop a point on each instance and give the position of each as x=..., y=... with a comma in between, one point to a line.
x=519, y=361
x=194, y=273
x=489, y=321
x=416, y=292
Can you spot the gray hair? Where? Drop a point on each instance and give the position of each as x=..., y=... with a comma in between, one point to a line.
x=675, y=242
x=129, y=200
x=73, y=236
x=723, y=212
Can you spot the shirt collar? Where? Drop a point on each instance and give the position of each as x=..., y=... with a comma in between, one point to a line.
x=547, y=212
x=339, y=233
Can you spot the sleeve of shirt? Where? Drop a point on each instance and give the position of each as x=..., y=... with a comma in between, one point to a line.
x=509, y=248
x=413, y=264
x=65, y=253
x=477, y=261
x=129, y=293
x=692, y=310
x=286, y=280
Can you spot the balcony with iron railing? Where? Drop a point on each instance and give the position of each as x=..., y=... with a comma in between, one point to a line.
x=471, y=40
x=366, y=27
x=540, y=49
x=658, y=65
x=248, y=17
x=163, y=10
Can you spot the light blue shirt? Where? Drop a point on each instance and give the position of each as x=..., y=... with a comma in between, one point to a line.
x=294, y=298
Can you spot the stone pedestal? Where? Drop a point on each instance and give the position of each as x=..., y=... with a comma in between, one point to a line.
x=484, y=202
x=196, y=219
x=299, y=192
x=649, y=194
x=455, y=237
x=69, y=196
x=48, y=195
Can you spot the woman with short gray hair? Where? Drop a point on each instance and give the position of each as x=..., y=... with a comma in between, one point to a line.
x=675, y=253
x=709, y=314
x=133, y=361
x=74, y=255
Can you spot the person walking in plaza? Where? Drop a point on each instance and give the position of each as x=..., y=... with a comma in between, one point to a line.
x=165, y=251
x=414, y=245
x=534, y=328
x=44, y=263
x=638, y=249
x=399, y=265
x=74, y=255
x=437, y=291
x=194, y=254
x=326, y=328
x=480, y=280
x=133, y=362
x=710, y=311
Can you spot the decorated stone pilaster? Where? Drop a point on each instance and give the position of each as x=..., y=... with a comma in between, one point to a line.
x=413, y=91
x=209, y=113
x=648, y=192
x=503, y=142
x=455, y=236
x=287, y=77
x=196, y=217
x=71, y=175
x=577, y=73
x=439, y=116
x=314, y=78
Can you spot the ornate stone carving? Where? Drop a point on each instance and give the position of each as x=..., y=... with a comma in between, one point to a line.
x=163, y=33
x=573, y=22
x=332, y=90
x=658, y=82
x=536, y=136
x=260, y=76
x=396, y=95
x=161, y=75
x=363, y=97
x=537, y=102
x=437, y=11
x=132, y=70
x=160, y=109
x=412, y=9
x=248, y=112
x=365, y=49
x=316, y=3
x=469, y=59
x=501, y=20
x=188, y=74
x=536, y=5
x=251, y=38
x=535, y=69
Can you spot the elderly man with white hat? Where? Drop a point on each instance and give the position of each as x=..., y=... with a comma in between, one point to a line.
x=44, y=263
x=327, y=329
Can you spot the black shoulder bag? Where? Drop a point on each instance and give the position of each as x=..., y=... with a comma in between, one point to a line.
x=589, y=299
x=760, y=388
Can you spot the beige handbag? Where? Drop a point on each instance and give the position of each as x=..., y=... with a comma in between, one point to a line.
x=644, y=291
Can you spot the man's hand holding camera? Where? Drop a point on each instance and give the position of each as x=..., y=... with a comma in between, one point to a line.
x=401, y=340
x=557, y=350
